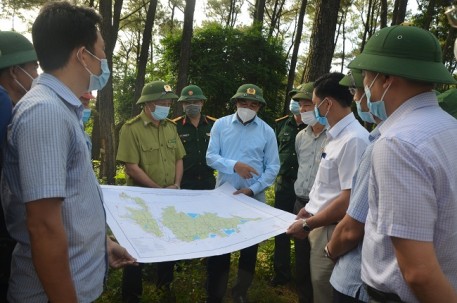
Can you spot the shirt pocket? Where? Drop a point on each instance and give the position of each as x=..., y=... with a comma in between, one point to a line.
x=149, y=152
x=171, y=144
x=328, y=171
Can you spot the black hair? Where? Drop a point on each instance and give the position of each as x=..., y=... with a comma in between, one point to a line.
x=60, y=28
x=328, y=86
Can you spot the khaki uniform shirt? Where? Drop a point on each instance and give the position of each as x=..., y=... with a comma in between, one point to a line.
x=154, y=148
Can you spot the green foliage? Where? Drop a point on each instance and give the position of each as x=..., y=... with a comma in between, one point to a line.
x=222, y=59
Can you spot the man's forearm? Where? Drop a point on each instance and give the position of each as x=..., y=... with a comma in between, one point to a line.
x=333, y=213
x=139, y=176
x=346, y=236
x=179, y=171
x=49, y=247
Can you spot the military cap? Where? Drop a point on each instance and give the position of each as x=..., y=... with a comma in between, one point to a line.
x=295, y=90
x=249, y=92
x=190, y=93
x=353, y=79
x=305, y=92
x=405, y=51
x=15, y=49
x=156, y=90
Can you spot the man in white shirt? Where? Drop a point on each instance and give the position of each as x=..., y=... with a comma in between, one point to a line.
x=329, y=197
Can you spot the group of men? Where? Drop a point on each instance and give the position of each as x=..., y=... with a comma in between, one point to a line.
x=376, y=212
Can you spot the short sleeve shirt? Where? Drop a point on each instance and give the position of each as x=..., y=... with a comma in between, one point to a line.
x=154, y=148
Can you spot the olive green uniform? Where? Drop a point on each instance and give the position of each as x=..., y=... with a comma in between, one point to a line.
x=286, y=130
x=197, y=175
x=154, y=148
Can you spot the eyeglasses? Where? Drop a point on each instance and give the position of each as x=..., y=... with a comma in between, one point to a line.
x=451, y=14
x=352, y=90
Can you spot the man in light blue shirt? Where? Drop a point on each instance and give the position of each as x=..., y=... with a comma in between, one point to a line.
x=56, y=212
x=243, y=149
x=409, y=249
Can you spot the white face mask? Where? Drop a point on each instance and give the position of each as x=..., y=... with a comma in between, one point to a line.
x=308, y=118
x=245, y=114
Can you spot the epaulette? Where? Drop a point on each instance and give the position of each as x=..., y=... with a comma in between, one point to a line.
x=175, y=120
x=172, y=121
x=211, y=118
x=282, y=118
x=134, y=119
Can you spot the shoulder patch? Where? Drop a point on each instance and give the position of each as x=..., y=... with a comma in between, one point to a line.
x=134, y=119
x=282, y=118
x=211, y=118
x=175, y=120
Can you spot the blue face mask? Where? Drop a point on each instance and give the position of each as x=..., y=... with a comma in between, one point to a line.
x=86, y=115
x=321, y=119
x=377, y=108
x=160, y=112
x=294, y=107
x=365, y=116
x=98, y=82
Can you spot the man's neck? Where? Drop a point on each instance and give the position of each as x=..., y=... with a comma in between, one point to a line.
x=317, y=128
x=195, y=120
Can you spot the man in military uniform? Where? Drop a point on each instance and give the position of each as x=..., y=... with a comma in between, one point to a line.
x=286, y=130
x=18, y=67
x=152, y=152
x=194, y=130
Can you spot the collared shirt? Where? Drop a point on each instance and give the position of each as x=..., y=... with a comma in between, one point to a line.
x=197, y=174
x=412, y=192
x=346, y=273
x=286, y=130
x=347, y=141
x=309, y=148
x=154, y=148
x=253, y=144
x=47, y=157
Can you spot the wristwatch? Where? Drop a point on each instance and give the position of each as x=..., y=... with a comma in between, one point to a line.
x=306, y=226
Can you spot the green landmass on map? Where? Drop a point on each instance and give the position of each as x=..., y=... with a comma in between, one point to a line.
x=191, y=226
x=142, y=216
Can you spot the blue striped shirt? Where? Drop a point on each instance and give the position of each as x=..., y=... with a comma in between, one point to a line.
x=412, y=193
x=346, y=274
x=47, y=157
x=253, y=144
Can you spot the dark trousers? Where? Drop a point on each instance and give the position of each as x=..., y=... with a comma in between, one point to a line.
x=284, y=200
x=132, y=280
x=7, y=245
x=218, y=268
x=342, y=298
x=302, y=266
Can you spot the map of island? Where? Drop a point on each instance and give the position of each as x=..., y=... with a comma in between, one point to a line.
x=157, y=225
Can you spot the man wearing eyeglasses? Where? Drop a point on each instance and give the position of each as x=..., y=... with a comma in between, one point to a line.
x=329, y=196
x=243, y=150
x=152, y=152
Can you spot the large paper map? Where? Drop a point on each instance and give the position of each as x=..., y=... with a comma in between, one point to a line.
x=165, y=224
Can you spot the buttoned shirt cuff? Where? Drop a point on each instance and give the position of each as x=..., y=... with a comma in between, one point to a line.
x=231, y=165
x=255, y=188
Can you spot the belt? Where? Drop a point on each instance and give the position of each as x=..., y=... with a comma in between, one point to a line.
x=382, y=296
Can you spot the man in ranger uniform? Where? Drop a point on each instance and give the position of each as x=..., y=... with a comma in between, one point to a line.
x=152, y=152
x=194, y=130
x=286, y=129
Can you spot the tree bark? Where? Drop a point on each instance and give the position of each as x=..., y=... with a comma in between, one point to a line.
x=144, y=53
x=185, y=52
x=293, y=60
x=322, y=39
x=429, y=15
x=109, y=29
x=383, y=13
x=398, y=15
x=259, y=12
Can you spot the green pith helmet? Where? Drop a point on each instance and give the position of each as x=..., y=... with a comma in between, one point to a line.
x=405, y=51
x=15, y=49
x=191, y=93
x=295, y=90
x=353, y=79
x=249, y=92
x=156, y=90
x=305, y=92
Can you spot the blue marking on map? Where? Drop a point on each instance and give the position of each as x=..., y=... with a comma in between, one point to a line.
x=192, y=215
x=196, y=238
x=212, y=235
x=229, y=231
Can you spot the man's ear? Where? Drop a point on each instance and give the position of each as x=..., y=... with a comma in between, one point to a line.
x=12, y=72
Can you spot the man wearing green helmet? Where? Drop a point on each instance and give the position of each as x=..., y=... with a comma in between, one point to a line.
x=194, y=130
x=18, y=68
x=152, y=152
x=243, y=149
x=410, y=244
